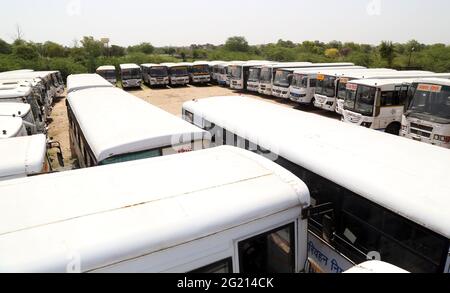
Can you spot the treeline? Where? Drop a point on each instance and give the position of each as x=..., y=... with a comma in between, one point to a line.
x=89, y=53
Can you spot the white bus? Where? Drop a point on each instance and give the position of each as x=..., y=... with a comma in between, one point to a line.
x=327, y=99
x=240, y=73
x=283, y=77
x=370, y=199
x=76, y=82
x=222, y=74
x=131, y=76
x=331, y=88
x=199, y=73
x=12, y=127
x=23, y=156
x=254, y=74
x=303, y=85
x=427, y=118
x=42, y=84
x=377, y=103
x=213, y=68
x=155, y=74
x=108, y=72
x=267, y=75
x=22, y=111
x=221, y=210
x=108, y=125
x=178, y=73
x=24, y=94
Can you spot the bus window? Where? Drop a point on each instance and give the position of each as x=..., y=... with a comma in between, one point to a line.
x=221, y=267
x=272, y=252
x=133, y=157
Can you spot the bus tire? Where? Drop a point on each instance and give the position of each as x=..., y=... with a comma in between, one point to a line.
x=393, y=128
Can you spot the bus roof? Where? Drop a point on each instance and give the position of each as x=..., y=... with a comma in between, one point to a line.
x=404, y=176
x=439, y=81
x=173, y=65
x=115, y=122
x=17, y=71
x=78, y=82
x=21, y=156
x=152, y=65
x=17, y=91
x=14, y=109
x=106, y=67
x=379, y=82
x=129, y=66
x=287, y=65
x=10, y=126
x=111, y=214
x=316, y=70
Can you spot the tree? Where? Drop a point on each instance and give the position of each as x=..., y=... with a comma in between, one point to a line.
x=5, y=48
x=332, y=53
x=92, y=47
x=237, y=44
x=145, y=48
x=26, y=52
x=387, y=52
x=53, y=50
x=117, y=51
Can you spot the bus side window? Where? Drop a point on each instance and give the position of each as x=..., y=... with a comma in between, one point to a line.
x=241, y=142
x=312, y=82
x=221, y=267
x=390, y=98
x=272, y=252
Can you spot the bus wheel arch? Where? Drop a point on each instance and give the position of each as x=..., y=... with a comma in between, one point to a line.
x=393, y=128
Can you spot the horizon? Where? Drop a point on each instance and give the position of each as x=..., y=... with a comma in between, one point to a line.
x=378, y=20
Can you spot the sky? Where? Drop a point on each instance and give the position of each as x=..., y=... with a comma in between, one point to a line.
x=185, y=22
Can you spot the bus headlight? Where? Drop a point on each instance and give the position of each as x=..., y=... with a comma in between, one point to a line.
x=405, y=128
x=366, y=124
x=442, y=138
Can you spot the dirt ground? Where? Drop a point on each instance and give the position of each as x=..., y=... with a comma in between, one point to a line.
x=168, y=99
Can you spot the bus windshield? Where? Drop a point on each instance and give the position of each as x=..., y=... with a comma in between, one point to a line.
x=158, y=71
x=179, y=71
x=282, y=78
x=365, y=100
x=431, y=101
x=200, y=69
x=266, y=75
x=236, y=72
x=326, y=86
x=342, y=90
x=131, y=74
x=107, y=74
x=254, y=74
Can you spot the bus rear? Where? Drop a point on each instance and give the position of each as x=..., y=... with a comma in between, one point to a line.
x=108, y=73
x=131, y=75
x=427, y=118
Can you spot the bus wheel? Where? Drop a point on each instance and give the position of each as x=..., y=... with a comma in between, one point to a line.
x=312, y=102
x=393, y=128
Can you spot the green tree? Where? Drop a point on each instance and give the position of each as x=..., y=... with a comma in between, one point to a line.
x=5, y=48
x=145, y=48
x=387, y=52
x=26, y=52
x=92, y=47
x=52, y=50
x=117, y=51
x=237, y=44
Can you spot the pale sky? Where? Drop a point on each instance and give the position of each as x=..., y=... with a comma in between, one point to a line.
x=185, y=22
